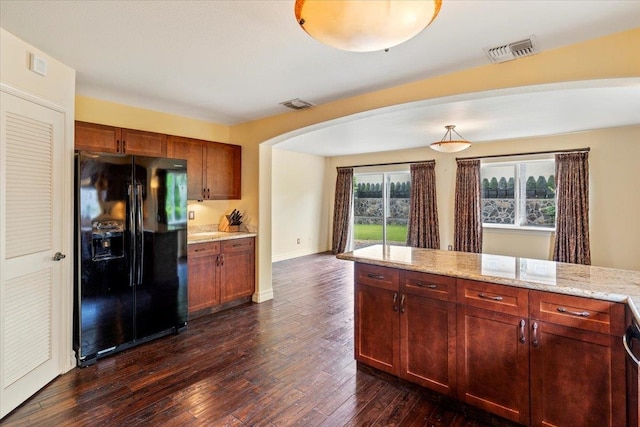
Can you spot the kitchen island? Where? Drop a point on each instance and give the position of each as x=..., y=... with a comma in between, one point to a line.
x=533, y=341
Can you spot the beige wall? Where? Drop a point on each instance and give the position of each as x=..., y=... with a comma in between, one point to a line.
x=298, y=208
x=614, y=197
x=596, y=59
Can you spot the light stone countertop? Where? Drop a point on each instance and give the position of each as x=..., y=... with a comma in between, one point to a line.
x=212, y=236
x=572, y=279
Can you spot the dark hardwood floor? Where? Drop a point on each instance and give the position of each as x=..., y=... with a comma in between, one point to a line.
x=284, y=362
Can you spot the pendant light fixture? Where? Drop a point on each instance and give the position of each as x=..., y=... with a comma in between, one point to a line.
x=451, y=145
x=365, y=25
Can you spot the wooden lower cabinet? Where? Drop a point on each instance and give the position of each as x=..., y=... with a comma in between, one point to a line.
x=427, y=343
x=577, y=378
x=220, y=272
x=536, y=358
x=493, y=363
x=577, y=361
x=202, y=261
x=405, y=325
x=237, y=270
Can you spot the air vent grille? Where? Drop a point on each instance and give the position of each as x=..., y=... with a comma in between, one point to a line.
x=297, y=104
x=511, y=51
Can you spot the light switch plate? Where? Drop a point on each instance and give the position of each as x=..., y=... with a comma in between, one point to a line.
x=192, y=215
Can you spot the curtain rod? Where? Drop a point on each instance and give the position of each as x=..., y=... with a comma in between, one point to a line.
x=385, y=164
x=574, y=150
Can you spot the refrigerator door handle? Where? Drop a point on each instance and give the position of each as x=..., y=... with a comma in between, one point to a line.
x=132, y=235
x=140, y=235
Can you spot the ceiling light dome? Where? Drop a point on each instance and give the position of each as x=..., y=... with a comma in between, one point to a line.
x=451, y=145
x=365, y=25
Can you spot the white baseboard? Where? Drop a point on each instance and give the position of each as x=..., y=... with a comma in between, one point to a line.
x=296, y=254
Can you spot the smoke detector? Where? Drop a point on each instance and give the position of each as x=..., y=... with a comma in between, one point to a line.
x=511, y=51
x=297, y=104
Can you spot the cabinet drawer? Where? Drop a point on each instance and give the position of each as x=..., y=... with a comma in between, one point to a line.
x=428, y=285
x=505, y=299
x=577, y=312
x=203, y=249
x=237, y=245
x=380, y=277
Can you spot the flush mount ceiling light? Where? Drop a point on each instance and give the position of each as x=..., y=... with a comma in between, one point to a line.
x=365, y=25
x=451, y=145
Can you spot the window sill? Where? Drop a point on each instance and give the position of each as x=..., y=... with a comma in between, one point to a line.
x=517, y=228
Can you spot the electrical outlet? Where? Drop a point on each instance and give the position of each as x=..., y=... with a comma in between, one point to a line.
x=449, y=248
x=192, y=214
x=298, y=241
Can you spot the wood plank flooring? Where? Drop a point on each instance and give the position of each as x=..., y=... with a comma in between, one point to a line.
x=286, y=362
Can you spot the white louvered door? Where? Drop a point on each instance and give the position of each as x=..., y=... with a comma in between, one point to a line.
x=31, y=195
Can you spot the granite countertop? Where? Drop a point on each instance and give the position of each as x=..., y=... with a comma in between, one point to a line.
x=212, y=236
x=572, y=279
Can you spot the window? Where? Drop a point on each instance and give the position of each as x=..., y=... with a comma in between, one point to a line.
x=519, y=194
x=380, y=208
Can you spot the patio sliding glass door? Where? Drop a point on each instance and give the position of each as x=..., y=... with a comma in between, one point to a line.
x=381, y=208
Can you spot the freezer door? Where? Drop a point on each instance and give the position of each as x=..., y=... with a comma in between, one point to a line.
x=161, y=241
x=104, y=292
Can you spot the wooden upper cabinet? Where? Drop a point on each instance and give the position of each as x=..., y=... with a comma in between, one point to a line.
x=193, y=151
x=94, y=137
x=223, y=171
x=213, y=168
x=141, y=143
x=110, y=139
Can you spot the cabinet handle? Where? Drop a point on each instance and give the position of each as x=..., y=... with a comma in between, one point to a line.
x=375, y=276
x=395, y=301
x=574, y=313
x=534, y=340
x=425, y=285
x=522, y=338
x=124, y=146
x=498, y=298
x=221, y=260
x=402, y=303
x=208, y=193
x=204, y=193
x=200, y=250
x=117, y=145
x=236, y=245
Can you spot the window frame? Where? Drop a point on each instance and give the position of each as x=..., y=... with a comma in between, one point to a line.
x=519, y=194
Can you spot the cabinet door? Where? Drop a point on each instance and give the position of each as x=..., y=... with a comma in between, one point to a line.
x=141, y=143
x=223, y=171
x=377, y=343
x=193, y=151
x=94, y=137
x=427, y=342
x=237, y=272
x=493, y=362
x=577, y=377
x=204, y=291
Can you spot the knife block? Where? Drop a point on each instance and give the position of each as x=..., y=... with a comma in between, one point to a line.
x=225, y=226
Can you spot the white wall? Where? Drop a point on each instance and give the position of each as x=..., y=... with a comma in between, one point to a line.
x=614, y=167
x=55, y=90
x=298, y=207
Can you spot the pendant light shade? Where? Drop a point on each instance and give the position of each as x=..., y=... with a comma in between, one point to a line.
x=451, y=145
x=365, y=25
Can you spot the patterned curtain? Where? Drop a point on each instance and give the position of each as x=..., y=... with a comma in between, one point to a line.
x=423, y=210
x=468, y=214
x=572, y=210
x=342, y=210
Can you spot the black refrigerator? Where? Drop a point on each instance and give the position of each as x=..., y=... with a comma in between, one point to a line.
x=130, y=277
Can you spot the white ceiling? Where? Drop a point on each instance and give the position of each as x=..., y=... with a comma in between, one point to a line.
x=231, y=61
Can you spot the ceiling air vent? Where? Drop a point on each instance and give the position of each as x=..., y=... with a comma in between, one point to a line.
x=297, y=104
x=511, y=51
